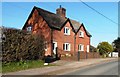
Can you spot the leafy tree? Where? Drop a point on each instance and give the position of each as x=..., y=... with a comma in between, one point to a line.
x=116, y=45
x=104, y=48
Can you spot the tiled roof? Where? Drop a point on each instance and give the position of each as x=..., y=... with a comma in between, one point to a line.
x=75, y=24
x=56, y=21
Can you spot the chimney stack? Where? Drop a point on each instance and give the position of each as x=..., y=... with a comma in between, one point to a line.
x=61, y=11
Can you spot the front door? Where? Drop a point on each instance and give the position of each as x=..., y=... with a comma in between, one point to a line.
x=54, y=47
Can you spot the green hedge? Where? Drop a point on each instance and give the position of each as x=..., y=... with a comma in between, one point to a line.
x=20, y=45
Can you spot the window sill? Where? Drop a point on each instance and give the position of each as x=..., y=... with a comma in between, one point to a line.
x=67, y=50
x=45, y=49
x=81, y=37
x=80, y=50
x=66, y=34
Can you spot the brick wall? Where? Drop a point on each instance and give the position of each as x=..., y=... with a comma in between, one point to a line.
x=82, y=40
x=82, y=56
x=61, y=38
x=39, y=26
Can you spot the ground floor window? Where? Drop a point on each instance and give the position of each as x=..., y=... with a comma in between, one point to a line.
x=66, y=46
x=80, y=47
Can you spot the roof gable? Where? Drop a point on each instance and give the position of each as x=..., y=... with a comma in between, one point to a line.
x=87, y=33
x=55, y=21
x=28, y=18
x=68, y=20
x=76, y=25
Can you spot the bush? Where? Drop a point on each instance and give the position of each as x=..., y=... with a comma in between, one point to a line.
x=116, y=44
x=104, y=48
x=21, y=46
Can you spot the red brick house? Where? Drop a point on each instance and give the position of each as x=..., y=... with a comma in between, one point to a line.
x=69, y=36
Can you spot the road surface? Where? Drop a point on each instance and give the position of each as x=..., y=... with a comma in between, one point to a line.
x=107, y=68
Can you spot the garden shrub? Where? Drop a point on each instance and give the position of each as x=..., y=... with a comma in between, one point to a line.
x=20, y=45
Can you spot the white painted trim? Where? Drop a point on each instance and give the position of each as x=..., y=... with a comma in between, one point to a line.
x=82, y=47
x=29, y=28
x=68, y=31
x=69, y=47
x=54, y=50
x=82, y=33
x=88, y=48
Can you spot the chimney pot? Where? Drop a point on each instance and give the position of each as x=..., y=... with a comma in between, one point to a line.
x=60, y=6
x=61, y=11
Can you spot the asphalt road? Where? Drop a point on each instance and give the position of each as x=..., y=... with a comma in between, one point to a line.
x=107, y=68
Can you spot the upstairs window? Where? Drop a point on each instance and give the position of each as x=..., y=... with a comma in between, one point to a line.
x=29, y=28
x=81, y=34
x=66, y=31
x=80, y=47
x=66, y=47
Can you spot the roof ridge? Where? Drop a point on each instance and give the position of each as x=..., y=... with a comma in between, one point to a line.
x=54, y=20
x=44, y=10
x=49, y=12
x=76, y=21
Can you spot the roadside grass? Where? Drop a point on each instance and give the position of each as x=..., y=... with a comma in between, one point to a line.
x=17, y=66
x=0, y=66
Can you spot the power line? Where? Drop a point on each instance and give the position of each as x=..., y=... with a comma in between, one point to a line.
x=99, y=13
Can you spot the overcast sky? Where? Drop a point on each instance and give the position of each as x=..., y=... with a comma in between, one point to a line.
x=14, y=14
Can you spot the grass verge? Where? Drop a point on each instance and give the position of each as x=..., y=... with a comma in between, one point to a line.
x=17, y=66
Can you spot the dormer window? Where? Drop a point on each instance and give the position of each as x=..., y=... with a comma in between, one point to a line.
x=29, y=28
x=66, y=31
x=81, y=34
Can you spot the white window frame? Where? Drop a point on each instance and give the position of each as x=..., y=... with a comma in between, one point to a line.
x=82, y=47
x=81, y=34
x=65, y=48
x=67, y=32
x=54, y=49
x=88, y=48
x=29, y=28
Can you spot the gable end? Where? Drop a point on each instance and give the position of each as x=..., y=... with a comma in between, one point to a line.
x=87, y=33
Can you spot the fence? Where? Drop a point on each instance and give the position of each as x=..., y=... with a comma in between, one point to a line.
x=82, y=55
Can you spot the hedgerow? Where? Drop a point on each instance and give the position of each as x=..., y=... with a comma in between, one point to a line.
x=20, y=45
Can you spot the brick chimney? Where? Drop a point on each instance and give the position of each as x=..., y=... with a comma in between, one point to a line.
x=61, y=11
